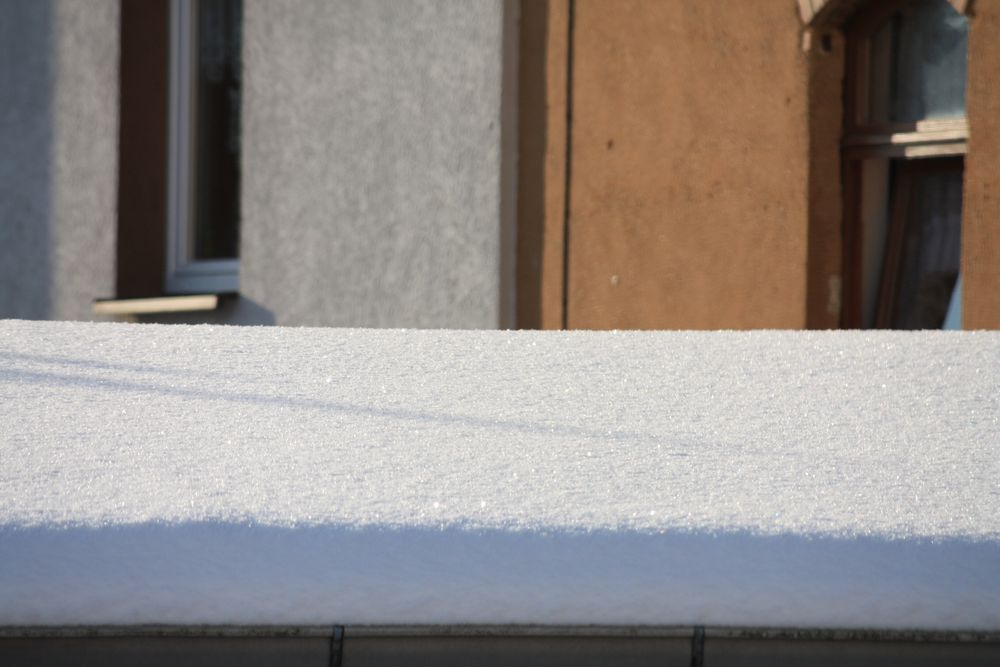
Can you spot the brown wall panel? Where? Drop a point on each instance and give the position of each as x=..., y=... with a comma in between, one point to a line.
x=690, y=165
x=981, y=215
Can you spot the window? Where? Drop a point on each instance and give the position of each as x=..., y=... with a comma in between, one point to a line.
x=203, y=205
x=905, y=138
x=179, y=152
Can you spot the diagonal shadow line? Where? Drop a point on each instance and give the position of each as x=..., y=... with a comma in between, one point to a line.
x=104, y=365
x=402, y=414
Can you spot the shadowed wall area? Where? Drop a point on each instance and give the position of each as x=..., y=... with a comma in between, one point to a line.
x=58, y=129
x=26, y=131
x=542, y=123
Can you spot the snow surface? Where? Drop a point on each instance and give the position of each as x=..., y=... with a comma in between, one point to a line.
x=172, y=474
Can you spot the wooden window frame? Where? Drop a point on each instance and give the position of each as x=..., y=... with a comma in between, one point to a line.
x=827, y=14
x=938, y=138
x=142, y=159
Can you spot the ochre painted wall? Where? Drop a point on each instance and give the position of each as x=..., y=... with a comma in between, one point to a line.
x=824, y=265
x=981, y=214
x=690, y=165
x=704, y=170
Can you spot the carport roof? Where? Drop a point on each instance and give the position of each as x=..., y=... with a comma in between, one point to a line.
x=173, y=474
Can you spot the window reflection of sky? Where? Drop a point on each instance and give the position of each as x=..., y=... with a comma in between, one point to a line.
x=929, y=62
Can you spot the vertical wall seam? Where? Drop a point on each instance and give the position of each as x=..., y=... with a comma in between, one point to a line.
x=569, y=162
x=698, y=647
x=510, y=22
x=337, y=646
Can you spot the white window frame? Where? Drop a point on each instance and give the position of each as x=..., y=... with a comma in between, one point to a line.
x=185, y=274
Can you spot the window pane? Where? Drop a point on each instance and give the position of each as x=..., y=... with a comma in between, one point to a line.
x=874, y=229
x=953, y=320
x=931, y=247
x=928, y=62
x=217, y=130
x=880, y=76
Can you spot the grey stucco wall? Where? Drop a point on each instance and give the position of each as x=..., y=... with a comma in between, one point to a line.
x=58, y=156
x=376, y=187
x=372, y=162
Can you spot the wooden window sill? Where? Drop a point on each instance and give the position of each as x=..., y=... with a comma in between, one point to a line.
x=187, y=303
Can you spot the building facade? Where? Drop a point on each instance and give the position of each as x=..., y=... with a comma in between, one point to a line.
x=535, y=164
x=714, y=156
x=371, y=160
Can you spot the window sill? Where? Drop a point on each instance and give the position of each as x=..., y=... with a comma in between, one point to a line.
x=187, y=303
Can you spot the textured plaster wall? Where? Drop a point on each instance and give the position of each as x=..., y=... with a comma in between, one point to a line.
x=981, y=214
x=58, y=156
x=824, y=265
x=689, y=191
x=372, y=162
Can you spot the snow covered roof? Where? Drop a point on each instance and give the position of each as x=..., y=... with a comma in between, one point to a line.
x=171, y=474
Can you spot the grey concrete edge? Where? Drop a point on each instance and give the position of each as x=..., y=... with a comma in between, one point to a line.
x=459, y=630
x=328, y=631
x=171, y=631
x=853, y=634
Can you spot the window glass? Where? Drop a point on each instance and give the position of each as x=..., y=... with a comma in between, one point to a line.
x=904, y=178
x=918, y=61
x=929, y=62
x=931, y=246
x=953, y=320
x=874, y=213
x=217, y=129
x=880, y=76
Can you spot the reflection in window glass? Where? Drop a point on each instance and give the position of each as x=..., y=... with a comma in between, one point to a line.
x=217, y=130
x=918, y=64
x=880, y=77
x=931, y=247
x=929, y=61
x=874, y=213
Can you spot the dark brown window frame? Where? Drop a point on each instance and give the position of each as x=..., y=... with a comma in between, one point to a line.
x=143, y=137
x=143, y=250
x=946, y=138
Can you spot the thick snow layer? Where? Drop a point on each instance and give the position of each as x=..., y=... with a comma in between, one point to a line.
x=155, y=474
